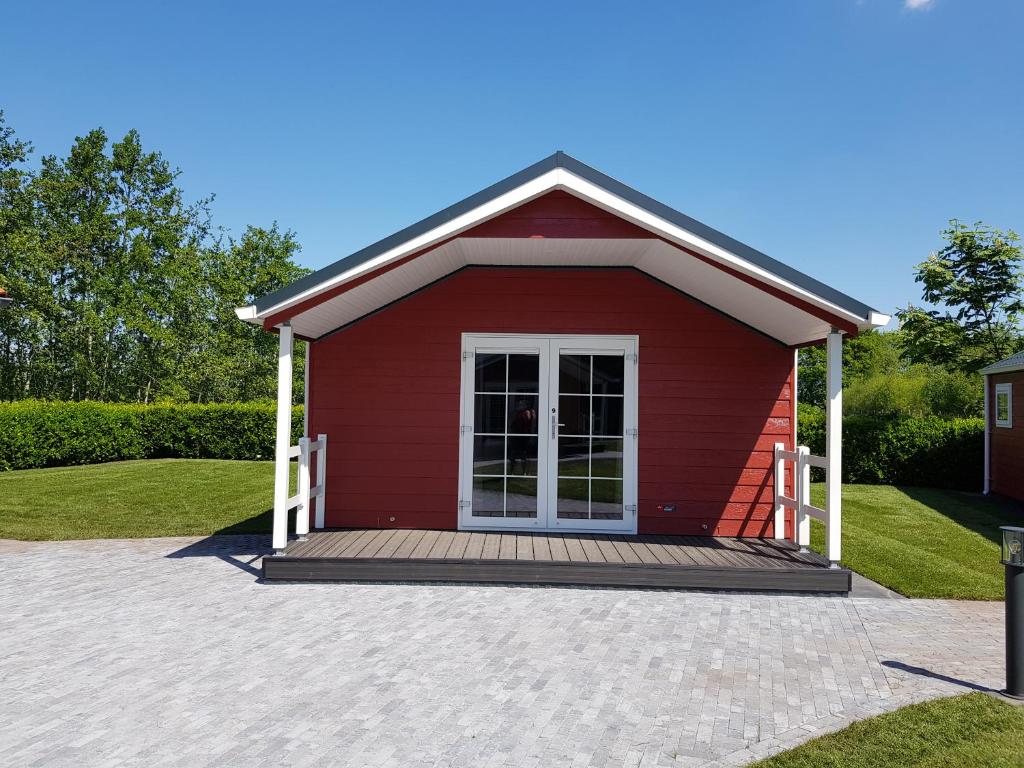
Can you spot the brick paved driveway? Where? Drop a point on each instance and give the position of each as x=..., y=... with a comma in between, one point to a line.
x=169, y=652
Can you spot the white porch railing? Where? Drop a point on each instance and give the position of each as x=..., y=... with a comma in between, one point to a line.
x=300, y=501
x=800, y=502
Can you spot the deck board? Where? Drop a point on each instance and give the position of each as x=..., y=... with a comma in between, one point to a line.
x=685, y=548
x=574, y=549
x=337, y=542
x=699, y=562
x=440, y=548
x=457, y=548
x=423, y=548
x=608, y=549
x=391, y=545
x=474, y=547
x=374, y=544
x=678, y=552
x=590, y=549
x=524, y=546
x=557, y=545
x=541, y=547
x=625, y=551
x=350, y=546
x=643, y=552
x=507, y=547
x=409, y=544
x=492, y=543
x=658, y=549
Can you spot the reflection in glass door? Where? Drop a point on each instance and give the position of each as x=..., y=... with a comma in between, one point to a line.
x=505, y=395
x=590, y=436
x=504, y=378
x=548, y=439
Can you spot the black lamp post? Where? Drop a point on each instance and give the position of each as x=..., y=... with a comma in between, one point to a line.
x=1013, y=559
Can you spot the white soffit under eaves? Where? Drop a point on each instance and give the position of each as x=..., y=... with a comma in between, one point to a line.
x=661, y=260
x=733, y=296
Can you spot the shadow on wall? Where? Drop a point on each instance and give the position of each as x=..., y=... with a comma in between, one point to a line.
x=978, y=513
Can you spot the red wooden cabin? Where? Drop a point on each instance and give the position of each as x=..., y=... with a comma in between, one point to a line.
x=558, y=352
x=1004, y=427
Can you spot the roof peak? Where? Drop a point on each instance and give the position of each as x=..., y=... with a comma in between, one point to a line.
x=561, y=170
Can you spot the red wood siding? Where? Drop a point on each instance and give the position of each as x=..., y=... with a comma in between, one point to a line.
x=1007, y=448
x=558, y=214
x=713, y=397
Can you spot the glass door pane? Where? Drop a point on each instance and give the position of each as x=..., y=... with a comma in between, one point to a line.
x=590, y=437
x=505, y=466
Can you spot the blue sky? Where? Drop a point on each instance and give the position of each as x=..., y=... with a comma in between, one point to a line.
x=835, y=135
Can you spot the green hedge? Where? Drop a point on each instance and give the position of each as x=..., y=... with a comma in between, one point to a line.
x=35, y=433
x=920, y=451
x=927, y=451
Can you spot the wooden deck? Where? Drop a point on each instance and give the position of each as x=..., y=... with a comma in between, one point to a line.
x=694, y=562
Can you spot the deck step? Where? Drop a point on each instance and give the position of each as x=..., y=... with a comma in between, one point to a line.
x=716, y=577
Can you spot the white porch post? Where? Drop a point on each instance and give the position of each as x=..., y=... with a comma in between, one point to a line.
x=779, y=465
x=305, y=391
x=321, y=479
x=986, y=484
x=802, y=522
x=302, y=511
x=284, y=436
x=834, y=444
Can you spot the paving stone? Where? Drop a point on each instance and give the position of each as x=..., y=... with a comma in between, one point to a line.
x=171, y=652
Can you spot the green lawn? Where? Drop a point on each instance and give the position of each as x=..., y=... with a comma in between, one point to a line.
x=960, y=732
x=128, y=499
x=917, y=541
x=923, y=542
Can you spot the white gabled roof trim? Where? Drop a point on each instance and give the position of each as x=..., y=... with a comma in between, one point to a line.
x=604, y=199
x=488, y=210
x=1007, y=365
x=565, y=180
x=247, y=314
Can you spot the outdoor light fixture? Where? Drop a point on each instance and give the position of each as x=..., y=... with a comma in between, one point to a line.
x=1013, y=559
x=1013, y=546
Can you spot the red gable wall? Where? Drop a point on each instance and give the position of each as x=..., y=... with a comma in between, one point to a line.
x=558, y=214
x=714, y=396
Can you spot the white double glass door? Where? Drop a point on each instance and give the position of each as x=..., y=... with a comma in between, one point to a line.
x=548, y=436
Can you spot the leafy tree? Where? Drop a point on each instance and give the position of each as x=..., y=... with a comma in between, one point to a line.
x=866, y=354
x=975, y=280
x=916, y=392
x=124, y=291
x=238, y=361
x=17, y=331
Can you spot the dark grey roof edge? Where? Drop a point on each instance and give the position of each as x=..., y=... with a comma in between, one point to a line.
x=408, y=233
x=562, y=160
x=1014, y=362
x=715, y=237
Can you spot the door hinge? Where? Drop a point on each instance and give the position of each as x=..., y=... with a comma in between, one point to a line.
x=633, y=432
x=634, y=359
x=631, y=508
x=465, y=429
x=467, y=355
x=463, y=504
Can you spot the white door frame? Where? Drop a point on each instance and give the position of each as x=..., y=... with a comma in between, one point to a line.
x=549, y=347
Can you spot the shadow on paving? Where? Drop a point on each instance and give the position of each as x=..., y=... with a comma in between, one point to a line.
x=240, y=544
x=978, y=513
x=921, y=671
